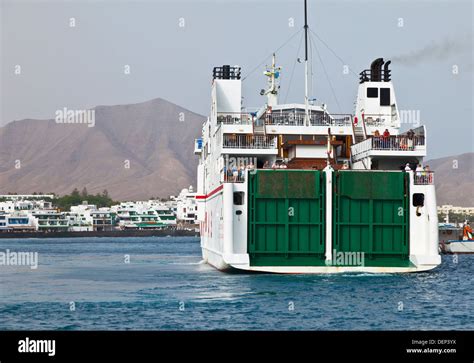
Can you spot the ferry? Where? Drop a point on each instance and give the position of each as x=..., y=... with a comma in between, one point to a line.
x=144, y=215
x=295, y=188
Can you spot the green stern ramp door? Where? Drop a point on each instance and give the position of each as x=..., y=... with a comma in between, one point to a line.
x=286, y=218
x=287, y=213
x=370, y=215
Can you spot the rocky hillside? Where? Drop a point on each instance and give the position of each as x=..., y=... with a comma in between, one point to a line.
x=134, y=151
x=454, y=179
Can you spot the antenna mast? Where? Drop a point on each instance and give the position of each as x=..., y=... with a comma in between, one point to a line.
x=307, y=120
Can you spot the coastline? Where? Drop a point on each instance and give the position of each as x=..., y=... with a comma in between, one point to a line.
x=125, y=233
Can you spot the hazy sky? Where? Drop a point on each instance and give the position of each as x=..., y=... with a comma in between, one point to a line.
x=83, y=66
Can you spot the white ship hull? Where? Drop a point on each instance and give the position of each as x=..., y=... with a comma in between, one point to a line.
x=224, y=241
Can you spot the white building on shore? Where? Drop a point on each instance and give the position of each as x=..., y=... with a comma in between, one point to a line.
x=185, y=206
x=22, y=214
x=448, y=208
x=80, y=218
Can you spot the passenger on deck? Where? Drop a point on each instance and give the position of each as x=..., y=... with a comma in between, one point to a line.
x=377, y=139
x=407, y=167
x=266, y=165
x=235, y=173
x=428, y=174
x=467, y=232
x=241, y=172
x=410, y=137
x=403, y=144
x=419, y=171
x=386, y=139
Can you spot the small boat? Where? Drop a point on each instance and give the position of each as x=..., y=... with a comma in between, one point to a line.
x=457, y=246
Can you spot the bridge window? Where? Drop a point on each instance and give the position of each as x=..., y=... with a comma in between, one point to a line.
x=385, y=97
x=372, y=92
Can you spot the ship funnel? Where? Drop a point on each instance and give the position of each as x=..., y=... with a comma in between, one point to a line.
x=376, y=70
x=386, y=72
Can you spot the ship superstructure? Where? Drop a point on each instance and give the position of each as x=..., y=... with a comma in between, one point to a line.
x=295, y=188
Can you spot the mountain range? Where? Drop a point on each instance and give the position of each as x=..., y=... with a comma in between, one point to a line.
x=454, y=179
x=134, y=151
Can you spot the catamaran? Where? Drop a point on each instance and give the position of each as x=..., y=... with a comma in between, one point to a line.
x=294, y=188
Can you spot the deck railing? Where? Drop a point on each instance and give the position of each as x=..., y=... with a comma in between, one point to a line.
x=398, y=143
x=424, y=177
x=378, y=119
x=361, y=149
x=249, y=142
x=234, y=118
x=284, y=118
x=229, y=177
x=297, y=118
x=380, y=76
x=391, y=143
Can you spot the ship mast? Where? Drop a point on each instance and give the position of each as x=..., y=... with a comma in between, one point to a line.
x=306, y=110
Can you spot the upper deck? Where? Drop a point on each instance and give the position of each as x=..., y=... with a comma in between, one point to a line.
x=403, y=145
x=304, y=136
x=286, y=119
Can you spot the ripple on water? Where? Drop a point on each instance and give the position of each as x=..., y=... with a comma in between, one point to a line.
x=167, y=287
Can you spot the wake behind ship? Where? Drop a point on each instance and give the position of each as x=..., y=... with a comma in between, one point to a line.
x=294, y=188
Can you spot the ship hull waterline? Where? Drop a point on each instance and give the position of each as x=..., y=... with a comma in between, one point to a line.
x=217, y=261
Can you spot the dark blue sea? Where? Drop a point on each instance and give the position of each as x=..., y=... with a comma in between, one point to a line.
x=86, y=284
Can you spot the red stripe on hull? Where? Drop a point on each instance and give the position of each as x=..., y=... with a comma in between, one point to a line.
x=219, y=188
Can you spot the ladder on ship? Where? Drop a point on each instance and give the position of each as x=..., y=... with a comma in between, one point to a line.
x=359, y=132
x=259, y=125
x=259, y=130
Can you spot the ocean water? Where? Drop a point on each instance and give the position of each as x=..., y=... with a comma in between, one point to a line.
x=86, y=284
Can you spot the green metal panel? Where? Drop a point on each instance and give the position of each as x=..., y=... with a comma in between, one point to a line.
x=371, y=215
x=286, y=218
